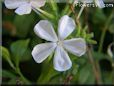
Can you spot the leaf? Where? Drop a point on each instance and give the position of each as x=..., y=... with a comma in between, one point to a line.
x=111, y=29
x=7, y=74
x=18, y=49
x=26, y=56
x=98, y=16
x=107, y=77
x=12, y=81
x=7, y=77
x=86, y=75
x=6, y=55
x=47, y=73
x=98, y=56
x=23, y=24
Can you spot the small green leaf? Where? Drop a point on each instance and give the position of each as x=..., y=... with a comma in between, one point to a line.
x=18, y=49
x=98, y=56
x=111, y=28
x=86, y=75
x=7, y=74
x=6, y=55
x=90, y=35
x=90, y=41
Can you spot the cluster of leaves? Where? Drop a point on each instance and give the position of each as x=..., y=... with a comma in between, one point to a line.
x=19, y=39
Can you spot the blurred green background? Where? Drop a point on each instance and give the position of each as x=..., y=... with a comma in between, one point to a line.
x=18, y=40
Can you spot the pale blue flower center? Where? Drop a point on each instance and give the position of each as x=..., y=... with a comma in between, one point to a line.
x=60, y=43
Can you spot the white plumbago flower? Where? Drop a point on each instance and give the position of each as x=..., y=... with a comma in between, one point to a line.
x=45, y=30
x=24, y=6
x=99, y=3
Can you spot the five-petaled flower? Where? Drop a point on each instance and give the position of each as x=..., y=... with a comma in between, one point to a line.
x=61, y=61
x=24, y=6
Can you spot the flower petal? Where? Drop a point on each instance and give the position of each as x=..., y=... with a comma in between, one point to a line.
x=23, y=9
x=76, y=46
x=38, y=3
x=86, y=1
x=100, y=3
x=12, y=4
x=61, y=61
x=66, y=27
x=45, y=30
x=41, y=51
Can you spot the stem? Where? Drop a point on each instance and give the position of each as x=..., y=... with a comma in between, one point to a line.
x=94, y=66
x=104, y=32
x=102, y=40
x=65, y=10
x=81, y=10
x=79, y=14
x=37, y=10
x=21, y=75
x=54, y=6
x=68, y=79
x=113, y=72
x=39, y=13
x=17, y=69
x=46, y=75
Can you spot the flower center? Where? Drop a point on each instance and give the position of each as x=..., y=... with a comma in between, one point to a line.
x=28, y=1
x=60, y=43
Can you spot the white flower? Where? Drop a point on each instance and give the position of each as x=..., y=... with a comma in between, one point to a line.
x=61, y=61
x=24, y=6
x=99, y=3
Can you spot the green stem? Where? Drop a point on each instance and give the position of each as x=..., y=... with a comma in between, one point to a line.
x=113, y=72
x=104, y=32
x=66, y=10
x=21, y=75
x=17, y=69
x=42, y=16
x=102, y=40
x=94, y=66
x=37, y=10
x=54, y=6
x=46, y=74
x=81, y=10
x=45, y=13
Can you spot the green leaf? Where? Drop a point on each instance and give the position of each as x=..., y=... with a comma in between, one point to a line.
x=107, y=77
x=47, y=73
x=26, y=56
x=12, y=81
x=23, y=24
x=98, y=16
x=7, y=74
x=111, y=28
x=6, y=55
x=98, y=56
x=90, y=41
x=18, y=49
x=86, y=75
x=57, y=79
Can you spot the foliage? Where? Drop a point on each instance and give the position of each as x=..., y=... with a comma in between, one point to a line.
x=95, y=25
